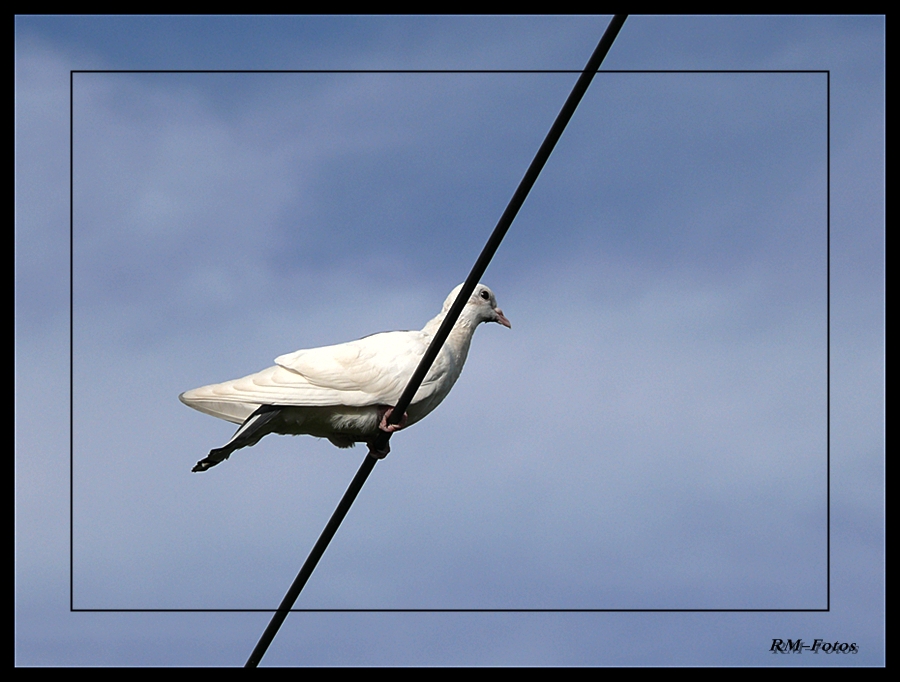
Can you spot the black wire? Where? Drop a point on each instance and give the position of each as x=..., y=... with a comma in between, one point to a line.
x=310, y=564
x=443, y=332
x=487, y=253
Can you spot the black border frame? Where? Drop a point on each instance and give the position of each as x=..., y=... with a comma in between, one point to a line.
x=72, y=73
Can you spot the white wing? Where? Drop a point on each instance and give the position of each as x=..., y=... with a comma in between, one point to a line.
x=371, y=371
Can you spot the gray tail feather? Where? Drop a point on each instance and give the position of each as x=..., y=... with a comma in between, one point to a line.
x=247, y=434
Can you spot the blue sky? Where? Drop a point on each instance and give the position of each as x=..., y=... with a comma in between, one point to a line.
x=650, y=434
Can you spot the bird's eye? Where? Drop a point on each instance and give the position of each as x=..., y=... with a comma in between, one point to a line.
x=485, y=295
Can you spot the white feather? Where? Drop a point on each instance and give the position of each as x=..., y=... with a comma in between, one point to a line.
x=340, y=392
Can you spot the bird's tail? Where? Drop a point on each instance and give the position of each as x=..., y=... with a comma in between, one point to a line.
x=249, y=433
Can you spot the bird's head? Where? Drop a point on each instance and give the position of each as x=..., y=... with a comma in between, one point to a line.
x=481, y=306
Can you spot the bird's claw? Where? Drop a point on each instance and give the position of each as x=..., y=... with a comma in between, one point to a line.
x=387, y=427
x=390, y=428
x=378, y=454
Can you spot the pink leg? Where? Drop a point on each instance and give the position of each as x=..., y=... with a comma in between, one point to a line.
x=385, y=412
x=390, y=428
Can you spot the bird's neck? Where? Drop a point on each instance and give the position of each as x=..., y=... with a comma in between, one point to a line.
x=460, y=336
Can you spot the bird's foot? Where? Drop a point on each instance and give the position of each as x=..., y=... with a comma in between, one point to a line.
x=215, y=456
x=390, y=428
x=385, y=413
x=378, y=454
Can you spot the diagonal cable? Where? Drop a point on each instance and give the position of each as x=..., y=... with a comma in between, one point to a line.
x=487, y=253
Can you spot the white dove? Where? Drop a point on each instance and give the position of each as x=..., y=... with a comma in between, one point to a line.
x=344, y=392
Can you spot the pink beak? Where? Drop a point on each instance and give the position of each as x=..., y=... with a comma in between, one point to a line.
x=501, y=318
